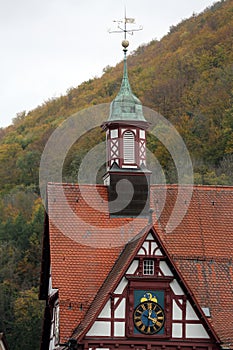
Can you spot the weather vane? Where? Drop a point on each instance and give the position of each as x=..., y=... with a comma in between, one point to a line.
x=122, y=28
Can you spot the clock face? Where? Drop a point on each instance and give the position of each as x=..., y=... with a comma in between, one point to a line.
x=148, y=317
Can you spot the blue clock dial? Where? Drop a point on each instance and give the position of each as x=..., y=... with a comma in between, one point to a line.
x=148, y=317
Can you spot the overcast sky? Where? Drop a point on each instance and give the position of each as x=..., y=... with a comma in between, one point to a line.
x=48, y=46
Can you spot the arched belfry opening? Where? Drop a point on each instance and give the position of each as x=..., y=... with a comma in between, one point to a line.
x=129, y=147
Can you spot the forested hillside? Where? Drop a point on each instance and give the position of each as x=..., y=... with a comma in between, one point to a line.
x=187, y=76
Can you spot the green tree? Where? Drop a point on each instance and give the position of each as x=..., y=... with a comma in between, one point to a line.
x=28, y=316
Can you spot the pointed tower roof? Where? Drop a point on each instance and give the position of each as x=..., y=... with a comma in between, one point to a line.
x=126, y=106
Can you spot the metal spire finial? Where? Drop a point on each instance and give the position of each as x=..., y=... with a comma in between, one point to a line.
x=122, y=28
x=126, y=106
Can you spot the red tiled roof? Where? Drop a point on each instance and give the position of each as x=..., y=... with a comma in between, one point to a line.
x=85, y=243
x=111, y=280
x=202, y=248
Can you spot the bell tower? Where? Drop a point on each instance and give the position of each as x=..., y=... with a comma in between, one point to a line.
x=127, y=178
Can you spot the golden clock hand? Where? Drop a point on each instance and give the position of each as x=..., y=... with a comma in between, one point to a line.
x=154, y=320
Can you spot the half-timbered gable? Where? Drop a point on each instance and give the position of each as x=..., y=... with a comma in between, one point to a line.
x=149, y=284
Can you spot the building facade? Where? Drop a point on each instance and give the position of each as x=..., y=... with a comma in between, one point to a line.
x=115, y=277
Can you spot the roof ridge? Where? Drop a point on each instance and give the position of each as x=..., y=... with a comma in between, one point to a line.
x=70, y=184
x=168, y=186
x=195, y=186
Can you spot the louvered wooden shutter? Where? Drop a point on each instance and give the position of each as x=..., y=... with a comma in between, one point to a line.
x=129, y=147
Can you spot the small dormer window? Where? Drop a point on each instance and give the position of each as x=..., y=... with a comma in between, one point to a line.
x=148, y=267
x=129, y=147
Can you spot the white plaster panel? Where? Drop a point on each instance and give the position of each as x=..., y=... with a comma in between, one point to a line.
x=165, y=269
x=51, y=290
x=119, y=329
x=50, y=283
x=142, y=134
x=206, y=311
x=150, y=237
x=121, y=286
x=51, y=344
x=120, y=310
x=100, y=328
x=190, y=313
x=146, y=247
x=176, y=288
x=176, y=330
x=158, y=252
x=106, y=312
x=114, y=133
x=52, y=338
x=154, y=245
x=107, y=180
x=133, y=267
x=116, y=160
x=130, y=166
x=141, y=252
x=196, y=331
x=176, y=311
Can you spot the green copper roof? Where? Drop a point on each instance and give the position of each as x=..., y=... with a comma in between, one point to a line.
x=126, y=106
